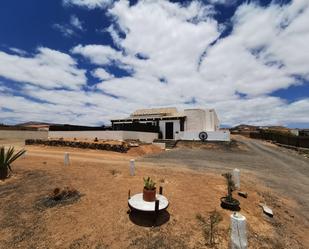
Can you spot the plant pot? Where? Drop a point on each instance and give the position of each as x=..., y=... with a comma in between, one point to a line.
x=3, y=173
x=149, y=195
x=230, y=203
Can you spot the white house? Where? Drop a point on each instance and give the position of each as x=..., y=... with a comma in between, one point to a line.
x=189, y=124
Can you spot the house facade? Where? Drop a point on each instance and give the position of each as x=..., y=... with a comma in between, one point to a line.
x=172, y=124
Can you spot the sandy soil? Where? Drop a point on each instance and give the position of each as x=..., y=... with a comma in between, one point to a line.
x=100, y=219
x=280, y=169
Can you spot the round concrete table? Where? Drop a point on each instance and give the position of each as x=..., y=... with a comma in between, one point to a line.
x=136, y=202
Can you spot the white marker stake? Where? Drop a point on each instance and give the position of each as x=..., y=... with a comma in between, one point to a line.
x=236, y=178
x=66, y=159
x=238, y=231
x=132, y=167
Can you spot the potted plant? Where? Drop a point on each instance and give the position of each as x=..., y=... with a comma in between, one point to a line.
x=6, y=158
x=149, y=191
x=228, y=201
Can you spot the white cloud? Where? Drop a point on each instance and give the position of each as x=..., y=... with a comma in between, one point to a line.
x=254, y=61
x=18, y=51
x=223, y=2
x=180, y=62
x=70, y=29
x=100, y=73
x=66, y=30
x=91, y=4
x=76, y=23
x=98, y=54
x=48, y=68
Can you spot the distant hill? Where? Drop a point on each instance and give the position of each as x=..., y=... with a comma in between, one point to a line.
x=31, y=123
x=245, y=127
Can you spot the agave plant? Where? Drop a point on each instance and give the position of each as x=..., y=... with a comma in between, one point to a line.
x=6, y=158
x=149, y=184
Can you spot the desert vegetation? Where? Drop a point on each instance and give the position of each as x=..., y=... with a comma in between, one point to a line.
x=6, y=159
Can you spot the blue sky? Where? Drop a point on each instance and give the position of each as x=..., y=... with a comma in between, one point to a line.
x=87, y=61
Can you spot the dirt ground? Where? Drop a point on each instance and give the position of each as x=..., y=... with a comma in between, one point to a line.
x=191, y=179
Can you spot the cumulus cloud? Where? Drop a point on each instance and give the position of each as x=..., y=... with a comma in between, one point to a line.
x=264, y=52
x=48, y=68
x=62, y=106
x=91, y=4
x=179, y=57
x=98, y=54
x=100, y=73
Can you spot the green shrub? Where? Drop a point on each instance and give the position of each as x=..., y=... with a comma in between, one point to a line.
x=149, y=184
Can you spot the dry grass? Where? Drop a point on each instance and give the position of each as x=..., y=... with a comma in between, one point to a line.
x=99, y=218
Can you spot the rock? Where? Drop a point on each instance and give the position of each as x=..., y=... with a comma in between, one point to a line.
x=243, y=194
x=266, y=210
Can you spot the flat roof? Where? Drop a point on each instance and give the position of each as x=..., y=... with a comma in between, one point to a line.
x=173, y=117
x=155, y=111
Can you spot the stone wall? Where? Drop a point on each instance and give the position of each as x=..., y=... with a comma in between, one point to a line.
x=123, y=148
x=146, y=137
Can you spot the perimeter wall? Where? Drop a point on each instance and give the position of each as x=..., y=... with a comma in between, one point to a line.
x=146, y=137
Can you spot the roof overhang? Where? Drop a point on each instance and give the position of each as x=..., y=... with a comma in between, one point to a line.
x=149, y=118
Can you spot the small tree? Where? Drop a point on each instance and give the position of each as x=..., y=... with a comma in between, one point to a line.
x=228, y=201
x=210, y=226
x=6, y=159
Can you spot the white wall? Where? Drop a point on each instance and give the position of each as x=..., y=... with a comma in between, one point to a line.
x=212, y=135
x=23, y=134
x=146, y=137
x=201, y=120
x=195, y=120
x=212, y=121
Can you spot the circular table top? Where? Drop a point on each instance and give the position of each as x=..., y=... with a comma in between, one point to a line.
x=137, y=202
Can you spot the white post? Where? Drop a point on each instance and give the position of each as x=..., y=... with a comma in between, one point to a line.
x=238, y=231
x=132, y=167
x=66, y=159
x=236, y=178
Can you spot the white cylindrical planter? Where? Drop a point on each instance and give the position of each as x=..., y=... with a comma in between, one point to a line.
x=238, y=231
x=66, y=159
x=132, y=167
x=236, y=178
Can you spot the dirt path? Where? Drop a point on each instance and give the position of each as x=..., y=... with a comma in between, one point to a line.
x=278, y=168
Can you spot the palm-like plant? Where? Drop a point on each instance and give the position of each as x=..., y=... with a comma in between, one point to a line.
x=6, y=158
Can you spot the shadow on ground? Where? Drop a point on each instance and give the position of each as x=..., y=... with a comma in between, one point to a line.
x=146, y=219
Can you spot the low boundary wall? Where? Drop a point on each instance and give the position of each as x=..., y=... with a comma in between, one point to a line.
x=146, y=137
x=84, y=145
x=212, y=135
x=23, y=134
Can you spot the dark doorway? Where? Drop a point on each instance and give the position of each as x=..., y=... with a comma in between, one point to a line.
x=169, y=130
